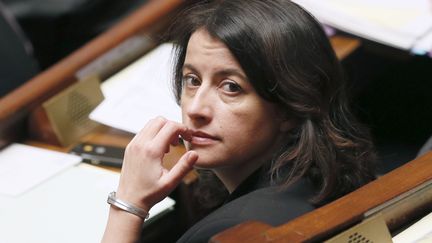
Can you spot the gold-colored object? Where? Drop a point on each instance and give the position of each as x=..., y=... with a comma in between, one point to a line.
x=68, y=111
x=371, y=230
x=88, y=148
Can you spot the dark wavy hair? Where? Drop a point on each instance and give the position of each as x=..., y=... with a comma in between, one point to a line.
x=289, y=61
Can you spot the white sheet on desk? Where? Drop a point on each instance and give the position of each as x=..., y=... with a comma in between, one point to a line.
x=71, y=207
x=139, y=92
x=397, y=23
x=23, y=167
x=419, y=232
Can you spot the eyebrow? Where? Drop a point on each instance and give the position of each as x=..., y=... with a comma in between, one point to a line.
x=222, y=72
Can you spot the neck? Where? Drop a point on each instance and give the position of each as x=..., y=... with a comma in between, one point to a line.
x=233, y=177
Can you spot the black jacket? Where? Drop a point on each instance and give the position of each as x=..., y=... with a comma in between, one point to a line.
x=253, y=200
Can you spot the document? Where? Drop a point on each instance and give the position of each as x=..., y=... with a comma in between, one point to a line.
x=23, y=167
x=419, y=232
x=397, y=23
x=70, y=207
x=139, y=93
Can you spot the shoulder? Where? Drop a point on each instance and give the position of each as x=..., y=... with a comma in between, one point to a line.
x=270, y=205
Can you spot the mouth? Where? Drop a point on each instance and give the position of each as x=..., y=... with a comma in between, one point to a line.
x=202, y=138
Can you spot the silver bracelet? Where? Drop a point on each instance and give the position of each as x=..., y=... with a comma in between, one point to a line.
x=112, y=200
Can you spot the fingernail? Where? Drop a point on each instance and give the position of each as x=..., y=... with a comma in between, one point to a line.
x=190, y=154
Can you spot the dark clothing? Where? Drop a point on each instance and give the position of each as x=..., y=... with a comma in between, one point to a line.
x=254, y=200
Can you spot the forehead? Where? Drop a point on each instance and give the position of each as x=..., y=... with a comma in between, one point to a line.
x=202, y=38
x=203, y=46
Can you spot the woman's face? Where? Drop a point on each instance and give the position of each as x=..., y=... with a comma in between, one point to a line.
x=233, y=126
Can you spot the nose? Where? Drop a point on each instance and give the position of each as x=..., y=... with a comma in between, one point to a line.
x=198, y=107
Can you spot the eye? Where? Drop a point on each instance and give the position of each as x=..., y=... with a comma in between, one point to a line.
x=191, y=81
x=231, y=87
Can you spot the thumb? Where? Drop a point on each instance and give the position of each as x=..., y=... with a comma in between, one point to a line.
x=181, y=168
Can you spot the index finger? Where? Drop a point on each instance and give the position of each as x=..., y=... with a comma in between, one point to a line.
x=170, y=131
x=150, y=130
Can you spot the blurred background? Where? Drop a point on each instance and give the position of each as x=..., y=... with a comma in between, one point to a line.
x=35, y=34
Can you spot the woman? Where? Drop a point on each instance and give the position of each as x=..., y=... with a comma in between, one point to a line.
x=264, y=109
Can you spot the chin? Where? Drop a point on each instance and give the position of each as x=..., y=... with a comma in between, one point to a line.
x=205, y=161
x=207, y=158
x=204, y=165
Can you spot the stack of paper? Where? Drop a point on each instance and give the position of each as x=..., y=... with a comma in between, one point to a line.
x=398, y=23
x=65, y=203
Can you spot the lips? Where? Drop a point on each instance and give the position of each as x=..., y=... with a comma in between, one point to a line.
x=202, y=138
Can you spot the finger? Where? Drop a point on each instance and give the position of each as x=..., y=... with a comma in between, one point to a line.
x=180, y=169
x=167, y=150
x=150, y=129
x=186, y=135
x=170, y=131
x=175, y=141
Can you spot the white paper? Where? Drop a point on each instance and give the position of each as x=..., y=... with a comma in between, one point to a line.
x=397, y=23
x=139, y=93
x=23, y=167
x=419, y=232
x=69, y=208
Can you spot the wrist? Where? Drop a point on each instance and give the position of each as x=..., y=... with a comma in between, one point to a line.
x=133, y=198
x=127, y=206
x=121, y=215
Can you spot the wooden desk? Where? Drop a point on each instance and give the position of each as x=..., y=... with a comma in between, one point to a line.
x=15, y=107
x=344, y=46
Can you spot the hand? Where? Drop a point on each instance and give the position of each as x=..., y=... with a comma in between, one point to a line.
x=143, y=180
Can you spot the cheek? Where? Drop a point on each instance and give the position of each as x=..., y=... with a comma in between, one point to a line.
x=255, y=114
x=250, y=126
x=183, y=105
x=246, y=142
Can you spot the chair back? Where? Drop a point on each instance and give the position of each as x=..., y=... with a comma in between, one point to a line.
x=17, y=64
